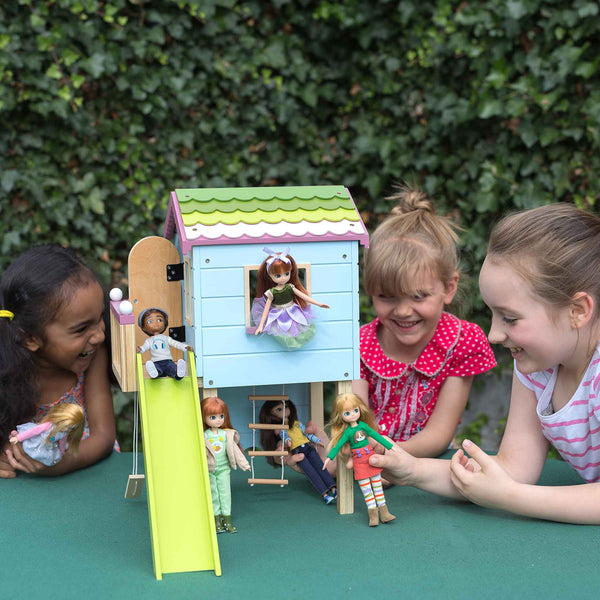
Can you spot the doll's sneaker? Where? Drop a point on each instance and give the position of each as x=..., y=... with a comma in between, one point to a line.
x=151, y=368
x=328, y=499
x=181, y=368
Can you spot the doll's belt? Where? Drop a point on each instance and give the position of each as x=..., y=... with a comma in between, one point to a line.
x=365, y=449
x=286, y=305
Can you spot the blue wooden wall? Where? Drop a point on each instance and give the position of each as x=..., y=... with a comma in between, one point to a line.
x=226, y=356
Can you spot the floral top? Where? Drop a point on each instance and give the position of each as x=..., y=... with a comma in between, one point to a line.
x=74, y=396
x=403, y=396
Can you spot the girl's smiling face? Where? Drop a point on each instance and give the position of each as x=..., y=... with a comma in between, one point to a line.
x=71, y=339
x=408, y=323
x=537, y=335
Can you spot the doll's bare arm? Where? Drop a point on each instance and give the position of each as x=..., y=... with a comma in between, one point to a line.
x=263, y=317
x=308, y=299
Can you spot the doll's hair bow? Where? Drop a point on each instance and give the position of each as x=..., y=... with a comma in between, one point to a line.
x=273, y=256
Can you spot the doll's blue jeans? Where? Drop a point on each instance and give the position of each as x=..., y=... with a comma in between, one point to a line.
x=166, y=368
x=312, y=465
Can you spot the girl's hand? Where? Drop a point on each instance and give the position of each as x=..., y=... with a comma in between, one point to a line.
x=258, y=330
x=13, y=439
x=480, y=479
x=7, y=471
x=324, y=305
x=19, y=460
x=398, y=465
x=326, y=462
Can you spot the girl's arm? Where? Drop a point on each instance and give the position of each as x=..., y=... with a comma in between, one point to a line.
x=508, y=482
x=263, y=317
x=490, y=485
x=307, y=298
x=101, y=420
x=441, y=427
x=522, y=454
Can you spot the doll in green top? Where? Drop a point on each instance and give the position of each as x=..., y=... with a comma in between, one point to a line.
x=352, y=423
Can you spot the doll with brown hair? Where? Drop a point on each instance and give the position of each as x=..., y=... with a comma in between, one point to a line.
x=59, y=432
x=281, y=307
x=223, y=453
x=298, y=441
x=352, y=423
x=154, y=322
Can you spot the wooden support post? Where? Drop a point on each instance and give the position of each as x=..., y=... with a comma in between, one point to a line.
x=345, y=477
x=316, y=404
x=206, y=392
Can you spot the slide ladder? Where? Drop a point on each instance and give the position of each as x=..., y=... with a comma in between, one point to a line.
x=182, y=525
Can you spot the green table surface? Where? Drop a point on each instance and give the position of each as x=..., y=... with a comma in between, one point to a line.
x=77, y=537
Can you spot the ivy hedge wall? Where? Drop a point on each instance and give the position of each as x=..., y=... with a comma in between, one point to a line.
x=106, y=106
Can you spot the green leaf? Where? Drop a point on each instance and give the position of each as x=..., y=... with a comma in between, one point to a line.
x=54, y=72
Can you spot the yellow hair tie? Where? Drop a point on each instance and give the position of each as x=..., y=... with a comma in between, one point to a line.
x=8, y=314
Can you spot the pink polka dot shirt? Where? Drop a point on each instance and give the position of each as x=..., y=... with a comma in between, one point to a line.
x=403, y=396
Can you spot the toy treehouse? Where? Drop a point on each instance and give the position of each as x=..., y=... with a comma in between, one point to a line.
x=253, y=341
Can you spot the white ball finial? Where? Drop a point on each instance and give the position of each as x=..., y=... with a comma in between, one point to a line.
x=115, y=294
x=125, y=308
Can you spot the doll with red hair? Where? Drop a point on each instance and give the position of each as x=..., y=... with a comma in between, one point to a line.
x=223, y=453
x=281, y=307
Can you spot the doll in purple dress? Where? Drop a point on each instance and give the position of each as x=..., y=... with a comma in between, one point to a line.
x=281, y=307
x=59, y=432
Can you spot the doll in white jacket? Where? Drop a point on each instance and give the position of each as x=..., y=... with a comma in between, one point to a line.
x=223, y=453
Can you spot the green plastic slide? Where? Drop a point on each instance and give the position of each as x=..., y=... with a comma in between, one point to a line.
x=182, y=525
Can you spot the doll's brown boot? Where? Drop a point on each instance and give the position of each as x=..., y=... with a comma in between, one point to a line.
x=373, y=517
x=385, y=515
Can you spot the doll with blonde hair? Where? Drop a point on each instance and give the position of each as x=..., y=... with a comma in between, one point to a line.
x=417, y=360
x=281, y=307
x=352, y=423
x=223, y=453
x=60, y=431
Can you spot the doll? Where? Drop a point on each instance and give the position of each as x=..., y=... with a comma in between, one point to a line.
x=59, y=432
x=352, y=423
x=281, y=307
x=223, y=452
x=296, y=440
x=153, y=322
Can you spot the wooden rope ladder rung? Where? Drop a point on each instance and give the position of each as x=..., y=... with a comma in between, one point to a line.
x=254, y=426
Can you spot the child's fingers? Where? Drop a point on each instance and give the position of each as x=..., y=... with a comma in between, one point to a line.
x=20, y=461
x=7, y=471
x=476, y=453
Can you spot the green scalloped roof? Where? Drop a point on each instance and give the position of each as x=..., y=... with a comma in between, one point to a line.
x=244, y=215
x=266, y=204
